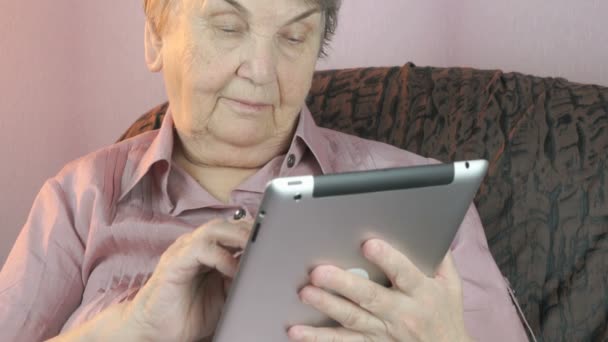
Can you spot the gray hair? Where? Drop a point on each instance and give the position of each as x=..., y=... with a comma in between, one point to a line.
x=157, y=12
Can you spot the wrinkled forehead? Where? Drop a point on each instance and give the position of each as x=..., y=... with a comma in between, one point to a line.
x=272, y=12
x=163, y=12
x=271, y=5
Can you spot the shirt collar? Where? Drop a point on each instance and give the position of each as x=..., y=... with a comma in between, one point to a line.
x=157, y=159
x=158, y=153
x=310, y=136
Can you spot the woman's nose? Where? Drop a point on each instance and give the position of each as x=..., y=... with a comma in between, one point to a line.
x=259, y=62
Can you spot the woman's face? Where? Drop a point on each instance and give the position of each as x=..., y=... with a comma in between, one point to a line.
x=238, y=71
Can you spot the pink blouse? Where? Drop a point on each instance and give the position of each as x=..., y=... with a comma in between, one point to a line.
x=96, y=230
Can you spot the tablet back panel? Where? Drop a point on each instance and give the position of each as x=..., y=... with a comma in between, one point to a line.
x=308, y=221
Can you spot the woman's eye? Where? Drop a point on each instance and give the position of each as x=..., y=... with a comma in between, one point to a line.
x=230, y=29
x=294, y=40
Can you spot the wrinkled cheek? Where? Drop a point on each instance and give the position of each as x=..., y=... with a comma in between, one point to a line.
x=293, y=97
x=172, y=73
x=191, y=53
x=192, y=64
x=294, y=83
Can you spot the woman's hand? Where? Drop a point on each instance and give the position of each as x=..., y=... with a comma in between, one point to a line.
x=416, y=308
x=183, y=299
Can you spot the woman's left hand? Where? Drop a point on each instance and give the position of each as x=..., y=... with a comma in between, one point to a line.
x=416, y=308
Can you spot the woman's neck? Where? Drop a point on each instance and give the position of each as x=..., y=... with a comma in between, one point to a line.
x=220, y=167
x=219, y=181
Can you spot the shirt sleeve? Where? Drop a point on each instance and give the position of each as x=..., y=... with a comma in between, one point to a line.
x=489, y=313
x=41, y=283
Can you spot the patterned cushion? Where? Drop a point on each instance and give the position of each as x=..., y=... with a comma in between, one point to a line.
x=544, y=203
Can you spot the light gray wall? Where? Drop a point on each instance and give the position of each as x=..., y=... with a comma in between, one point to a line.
x=72, y=78
x=546, y=38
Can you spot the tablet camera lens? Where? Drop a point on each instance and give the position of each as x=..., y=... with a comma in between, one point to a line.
x=297, y=197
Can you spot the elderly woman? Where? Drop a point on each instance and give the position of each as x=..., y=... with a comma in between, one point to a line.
x=137, y=241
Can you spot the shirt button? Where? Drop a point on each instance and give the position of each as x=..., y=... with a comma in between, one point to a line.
x=291, y=160
x=239, y=214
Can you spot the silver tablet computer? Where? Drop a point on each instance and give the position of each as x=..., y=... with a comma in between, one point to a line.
x=308, y=221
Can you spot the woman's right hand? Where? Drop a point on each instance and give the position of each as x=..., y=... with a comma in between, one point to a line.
x=183, y=299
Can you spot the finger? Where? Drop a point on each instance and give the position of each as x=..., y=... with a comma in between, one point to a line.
x=218, y=258
x=402, y=273
x=349, y=315
x=204, y=247
x=246, y=222
x=213, y=244
x=226, y=233
x=370, y=296
x=305, y=334
x=186, y=262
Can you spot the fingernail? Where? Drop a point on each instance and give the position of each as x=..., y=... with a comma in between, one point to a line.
x=296, y=333
x=321, y=275
x=371, y=248
x=309, y=295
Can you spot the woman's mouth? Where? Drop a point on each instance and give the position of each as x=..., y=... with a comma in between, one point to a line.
x=247, y=106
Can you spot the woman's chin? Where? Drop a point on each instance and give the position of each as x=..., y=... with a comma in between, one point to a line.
x=241, y=138
x=242, y=130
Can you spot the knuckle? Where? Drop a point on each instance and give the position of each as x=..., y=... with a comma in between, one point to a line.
x=417, y=325
x=164, y=259
x=427, y=300
x=411, y=323
x=208, y=226
x=214, y=222
x=175, y=249
x=370, y=300
x=187, y=239
x=244, y=232
x=182, y=240
x=351, y=319
x=246, y=223
x=400, y=280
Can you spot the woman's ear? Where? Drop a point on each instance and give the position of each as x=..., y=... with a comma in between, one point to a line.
x=153, y=45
